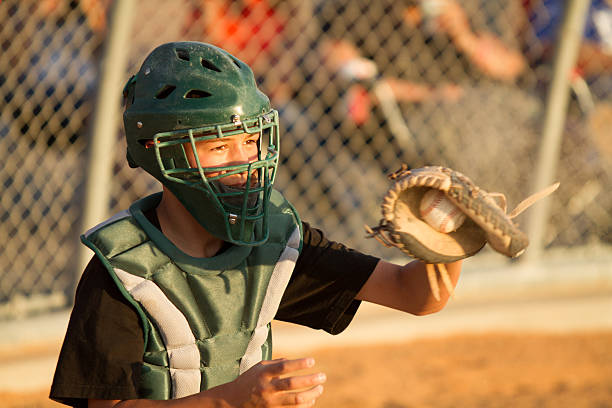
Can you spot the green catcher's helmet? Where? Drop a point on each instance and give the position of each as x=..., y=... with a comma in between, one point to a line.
x=186, y=92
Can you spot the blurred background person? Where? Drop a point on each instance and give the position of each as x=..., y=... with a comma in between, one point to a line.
x=595, y=53
x=456, y=71
x=587, y=138
x=483, y=50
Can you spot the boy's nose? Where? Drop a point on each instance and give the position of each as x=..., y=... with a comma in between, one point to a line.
x=241, y=154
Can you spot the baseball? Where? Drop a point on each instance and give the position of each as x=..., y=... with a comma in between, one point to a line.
x=439, y=212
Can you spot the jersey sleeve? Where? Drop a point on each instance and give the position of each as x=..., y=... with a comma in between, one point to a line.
x=326, y=279
x=102, y=350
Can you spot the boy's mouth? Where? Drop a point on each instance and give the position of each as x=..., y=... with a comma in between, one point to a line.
x=242, y=181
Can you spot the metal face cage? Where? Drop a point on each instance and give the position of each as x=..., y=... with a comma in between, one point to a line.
x=240, y=207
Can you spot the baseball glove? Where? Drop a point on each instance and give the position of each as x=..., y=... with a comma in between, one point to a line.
x=479, y=217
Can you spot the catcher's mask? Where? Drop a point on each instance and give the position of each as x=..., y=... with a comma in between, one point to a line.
x=188, y=92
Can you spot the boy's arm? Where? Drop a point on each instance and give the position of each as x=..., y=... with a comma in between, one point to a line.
x=406, y=288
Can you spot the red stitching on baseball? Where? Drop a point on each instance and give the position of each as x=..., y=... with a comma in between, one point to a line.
x=449, y=216
x=433, y=205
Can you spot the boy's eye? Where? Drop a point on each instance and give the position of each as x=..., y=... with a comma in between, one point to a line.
x=215, y=147
x=218, y=148
x=253, y=139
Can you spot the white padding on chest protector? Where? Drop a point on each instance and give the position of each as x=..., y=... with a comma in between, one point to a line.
x=183, y=354
x=276, y=287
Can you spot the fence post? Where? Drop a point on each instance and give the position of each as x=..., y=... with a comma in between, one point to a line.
x=105, y=125
x=569, y=40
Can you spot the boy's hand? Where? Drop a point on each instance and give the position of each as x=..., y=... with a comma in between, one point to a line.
x=270, y=384
x=267, y=384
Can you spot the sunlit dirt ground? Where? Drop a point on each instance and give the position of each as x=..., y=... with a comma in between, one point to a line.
x=492, y=370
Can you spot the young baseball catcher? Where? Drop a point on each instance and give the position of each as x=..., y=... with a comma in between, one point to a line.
x=174, y=308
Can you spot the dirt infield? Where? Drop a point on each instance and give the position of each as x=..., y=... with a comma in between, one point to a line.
x=495, y=370
x=491, y=370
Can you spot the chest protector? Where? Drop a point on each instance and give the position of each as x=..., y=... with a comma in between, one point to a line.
x=205, y=320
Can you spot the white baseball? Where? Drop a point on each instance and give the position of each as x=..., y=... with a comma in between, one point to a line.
x=440, y=212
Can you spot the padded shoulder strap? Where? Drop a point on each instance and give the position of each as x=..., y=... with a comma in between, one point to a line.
x=183, y=353
x=276, y=287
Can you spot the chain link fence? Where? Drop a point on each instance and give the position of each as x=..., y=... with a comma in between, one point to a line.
x=47, y=84
x=361, y=87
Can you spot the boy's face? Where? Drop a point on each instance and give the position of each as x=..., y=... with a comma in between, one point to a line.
x=227, y=151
